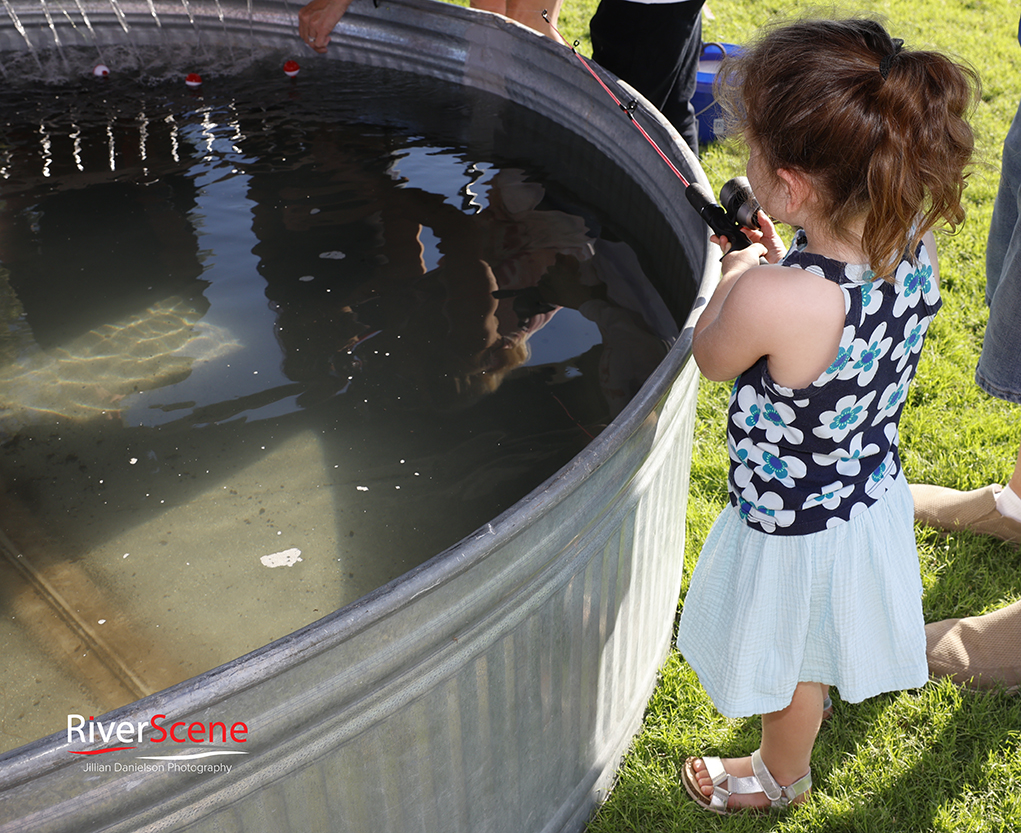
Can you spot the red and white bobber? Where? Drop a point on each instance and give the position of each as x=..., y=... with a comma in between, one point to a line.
x=193, y=80
x=291, y=68
x=101, y=70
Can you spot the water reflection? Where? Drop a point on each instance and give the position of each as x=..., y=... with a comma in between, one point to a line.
x=362, y=307
x=374, y=318
x=253, y=368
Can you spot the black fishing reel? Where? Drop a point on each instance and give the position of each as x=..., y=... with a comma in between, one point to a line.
x=739, y=210
x=739, y=202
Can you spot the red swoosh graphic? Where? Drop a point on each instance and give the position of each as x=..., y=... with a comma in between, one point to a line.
x=101, y=751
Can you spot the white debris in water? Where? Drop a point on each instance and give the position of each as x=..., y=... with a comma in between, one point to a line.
x=285, y=558
x=133, y=460
x=307, y=278
x=362, y=488
x=102, y=621
x=332, y=255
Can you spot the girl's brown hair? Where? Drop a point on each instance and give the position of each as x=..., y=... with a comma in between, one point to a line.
x=880, y=131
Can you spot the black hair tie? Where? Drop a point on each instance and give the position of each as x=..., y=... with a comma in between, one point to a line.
x=887, y=62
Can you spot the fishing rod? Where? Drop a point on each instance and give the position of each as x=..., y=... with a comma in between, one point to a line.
x=736, y=194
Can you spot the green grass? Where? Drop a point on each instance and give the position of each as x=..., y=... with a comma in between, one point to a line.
x=934, y=759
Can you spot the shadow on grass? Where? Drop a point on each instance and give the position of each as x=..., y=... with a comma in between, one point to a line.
x=932, y=759
x=966, y=574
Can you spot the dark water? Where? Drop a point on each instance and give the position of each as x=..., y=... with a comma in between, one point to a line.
x=252, y=366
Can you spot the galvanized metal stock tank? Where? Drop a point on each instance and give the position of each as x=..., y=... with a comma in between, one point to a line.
x=496, y=687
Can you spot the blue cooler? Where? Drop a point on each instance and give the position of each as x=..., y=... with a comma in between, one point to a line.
x=707, y=111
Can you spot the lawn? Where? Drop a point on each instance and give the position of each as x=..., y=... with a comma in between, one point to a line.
x=933, y=759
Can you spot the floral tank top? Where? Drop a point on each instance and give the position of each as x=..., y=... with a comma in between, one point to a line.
x=805, y=460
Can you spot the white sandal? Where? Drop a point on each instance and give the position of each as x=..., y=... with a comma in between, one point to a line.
x=725, y=785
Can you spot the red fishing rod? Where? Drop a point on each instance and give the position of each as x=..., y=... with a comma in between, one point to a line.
x=714, y=215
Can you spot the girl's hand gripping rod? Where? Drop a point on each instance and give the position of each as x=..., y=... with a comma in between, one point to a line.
x=717, y=217
x=724, y=222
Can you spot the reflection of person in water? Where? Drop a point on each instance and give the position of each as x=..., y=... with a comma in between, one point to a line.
x=374, y=315
x=464, y=340
x=630, y=350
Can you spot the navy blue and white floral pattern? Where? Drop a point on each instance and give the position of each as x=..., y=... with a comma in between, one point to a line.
x=806, y=460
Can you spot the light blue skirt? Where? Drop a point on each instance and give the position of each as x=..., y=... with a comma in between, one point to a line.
x=842, y=606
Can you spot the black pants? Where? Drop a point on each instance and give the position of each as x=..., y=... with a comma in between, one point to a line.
x=655, y=48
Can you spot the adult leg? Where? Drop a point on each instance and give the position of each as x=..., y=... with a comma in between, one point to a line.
x=982, y=652
x=992, y=510
x=1003, y=227
x=655, y=48
x=1015, y=478
x=999, y=367
x=979, y=652
x=528, y=12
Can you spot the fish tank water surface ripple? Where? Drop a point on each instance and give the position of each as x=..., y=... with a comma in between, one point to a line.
x=252, y=366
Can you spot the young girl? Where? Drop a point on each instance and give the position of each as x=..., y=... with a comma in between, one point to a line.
x=810, y=577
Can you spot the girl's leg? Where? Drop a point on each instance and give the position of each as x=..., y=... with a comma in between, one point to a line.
x=787, y=739
x=789, y=735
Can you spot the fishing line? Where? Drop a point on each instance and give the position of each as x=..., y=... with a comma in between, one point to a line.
x=629, y=108
x=714, y=215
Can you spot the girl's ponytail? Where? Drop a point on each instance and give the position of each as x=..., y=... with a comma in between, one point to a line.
x=916, y=173
x=880, y=130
